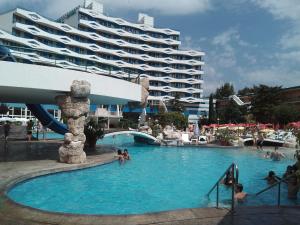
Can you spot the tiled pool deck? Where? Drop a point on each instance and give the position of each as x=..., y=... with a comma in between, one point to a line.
x=15, y=214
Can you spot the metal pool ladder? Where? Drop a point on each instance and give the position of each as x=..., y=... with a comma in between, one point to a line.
x=278, y=184
x=235, y=172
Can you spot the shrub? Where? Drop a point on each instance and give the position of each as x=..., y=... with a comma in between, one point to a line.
x=175, y=118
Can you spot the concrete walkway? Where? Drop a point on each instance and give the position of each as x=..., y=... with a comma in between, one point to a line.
x=14, y=214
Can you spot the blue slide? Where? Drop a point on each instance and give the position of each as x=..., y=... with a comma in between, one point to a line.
x=47, y=119
x=37, y=110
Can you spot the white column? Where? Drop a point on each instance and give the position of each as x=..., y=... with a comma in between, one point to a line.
x=118, y=111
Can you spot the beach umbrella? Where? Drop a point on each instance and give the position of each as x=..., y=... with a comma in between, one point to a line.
x=266, y=130
x=220, y=128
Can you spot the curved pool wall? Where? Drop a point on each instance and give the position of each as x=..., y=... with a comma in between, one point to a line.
x=156, y=179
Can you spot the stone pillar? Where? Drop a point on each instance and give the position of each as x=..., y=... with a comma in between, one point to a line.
x=74, y=107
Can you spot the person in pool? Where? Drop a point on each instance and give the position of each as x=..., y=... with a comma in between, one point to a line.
x=276, y=155
x=120, y=156
x=271, y=178
x=228, y=180
x=126, y=154
x=239, y=194
x=267, y=155
x=289, y=171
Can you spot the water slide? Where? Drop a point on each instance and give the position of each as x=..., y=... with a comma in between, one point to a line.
x=37, y=110
x=47, y=119
x=238, y=101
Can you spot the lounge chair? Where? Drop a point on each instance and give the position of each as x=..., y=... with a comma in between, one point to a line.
x=185, y=139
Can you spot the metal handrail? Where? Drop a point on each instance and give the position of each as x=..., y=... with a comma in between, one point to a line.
x=274, y=185
x=234, y=168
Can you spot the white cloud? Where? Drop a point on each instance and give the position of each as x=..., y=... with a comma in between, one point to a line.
x=291, y=40
x=213, y=79
x=281, y=9
x=55, y=8
x=250, y=58
x=273, y=76
x=167, y=7
x=289, y=57
x=226, y=37
x=224, y=55
x=285, y=10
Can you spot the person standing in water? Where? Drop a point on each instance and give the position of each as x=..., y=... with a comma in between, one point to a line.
x=6, y=130
x=126, y=154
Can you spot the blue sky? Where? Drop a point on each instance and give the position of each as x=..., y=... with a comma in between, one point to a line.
x=246, y=41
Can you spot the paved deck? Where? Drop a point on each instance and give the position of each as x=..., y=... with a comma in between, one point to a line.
x=15, y=214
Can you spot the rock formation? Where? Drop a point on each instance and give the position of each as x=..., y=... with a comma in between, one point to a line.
x=74, y=107
x=170, y=133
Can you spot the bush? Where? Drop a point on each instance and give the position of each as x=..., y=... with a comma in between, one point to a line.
x=175, y=118
x=93, y=130
x=125, y=124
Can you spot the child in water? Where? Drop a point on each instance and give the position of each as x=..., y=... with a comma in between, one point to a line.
x=126, y=154
x=120, y=156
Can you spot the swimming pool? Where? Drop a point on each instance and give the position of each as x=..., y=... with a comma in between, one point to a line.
x=48, y=135
x=156, y=179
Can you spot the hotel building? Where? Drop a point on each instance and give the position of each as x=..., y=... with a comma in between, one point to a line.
x=86, y=39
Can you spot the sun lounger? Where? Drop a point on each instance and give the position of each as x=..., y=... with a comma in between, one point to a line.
x=185, y=139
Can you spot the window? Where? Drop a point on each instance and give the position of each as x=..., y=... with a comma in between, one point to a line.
x=34, y=16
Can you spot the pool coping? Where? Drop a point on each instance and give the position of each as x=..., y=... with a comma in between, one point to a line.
x=13, y=211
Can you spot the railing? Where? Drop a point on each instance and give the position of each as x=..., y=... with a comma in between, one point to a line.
x=278, y=183
x=235, y=173
x=55, y=60
x=69, y=13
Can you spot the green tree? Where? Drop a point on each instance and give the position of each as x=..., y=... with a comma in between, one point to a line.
x=224, y=91
x=286, y=113
x=176, y=105
x=212, y=110
x=228, y=111
x=233, y=113
x=246, y=91
x=175, y=118
x=264, y=101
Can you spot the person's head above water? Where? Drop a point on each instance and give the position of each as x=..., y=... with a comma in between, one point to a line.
x=239, y=187
x=119, y=152
x=125, y=150
x=271, y=173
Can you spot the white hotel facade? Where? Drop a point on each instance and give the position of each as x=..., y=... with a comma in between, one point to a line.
x=86, y=39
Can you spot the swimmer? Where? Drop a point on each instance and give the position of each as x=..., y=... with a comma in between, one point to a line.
x=277, y=156
x=120, y=156
x=267, y=155
x=271, y=178
x=289, y=171
x=239, y=194
x=126, y=154
x=228, y=180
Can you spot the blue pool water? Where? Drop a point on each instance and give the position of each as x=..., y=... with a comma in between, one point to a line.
x=48, y=135
x=156, y=179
